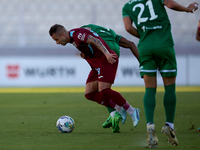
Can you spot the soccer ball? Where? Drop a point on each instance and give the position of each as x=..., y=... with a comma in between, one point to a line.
x=65, y=124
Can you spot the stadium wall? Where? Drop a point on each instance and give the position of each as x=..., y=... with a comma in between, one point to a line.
x=72, y=71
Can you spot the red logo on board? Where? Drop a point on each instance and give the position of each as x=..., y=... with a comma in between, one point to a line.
x=12, y=71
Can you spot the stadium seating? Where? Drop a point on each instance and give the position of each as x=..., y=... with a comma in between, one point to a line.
x=25, y=23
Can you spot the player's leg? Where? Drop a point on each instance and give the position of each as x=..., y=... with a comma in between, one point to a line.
x=169, y=101
x=168, y=71
x=107, y=73
x=149, y=107
x=148, y=69
x=116, y=97
x=149, y=97
x=114, y=118
x=170, y=107
x=91, y=89
x=113, y=45
x=92, y=93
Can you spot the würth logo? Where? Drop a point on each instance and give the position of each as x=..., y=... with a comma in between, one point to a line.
x=12, y=71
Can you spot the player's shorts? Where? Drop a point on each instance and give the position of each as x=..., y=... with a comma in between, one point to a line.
x=103, y=71
x=162, y=59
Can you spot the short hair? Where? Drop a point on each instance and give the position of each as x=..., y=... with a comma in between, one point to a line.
x=56, y=28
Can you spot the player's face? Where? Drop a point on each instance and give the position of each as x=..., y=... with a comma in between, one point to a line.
x=59, y=38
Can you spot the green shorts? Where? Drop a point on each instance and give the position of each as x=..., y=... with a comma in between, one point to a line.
x=162, y=59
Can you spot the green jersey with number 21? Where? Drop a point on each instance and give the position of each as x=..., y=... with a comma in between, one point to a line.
x=151, y=21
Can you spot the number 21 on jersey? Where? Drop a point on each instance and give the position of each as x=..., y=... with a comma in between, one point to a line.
x=142, y=7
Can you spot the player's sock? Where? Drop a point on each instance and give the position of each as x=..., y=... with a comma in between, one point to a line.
x=128, y=108
x=121, y=111
x=111, y=104
x=171, y=125
x=149, y=104
x=170, y=102
x=114, y=96
x=117, y=98
x=149, y=123
x=112, y=113
x=110, y=109
x=117, y=107
x=97, y=97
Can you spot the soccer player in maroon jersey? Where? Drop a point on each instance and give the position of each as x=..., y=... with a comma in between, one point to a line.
x=103, y=62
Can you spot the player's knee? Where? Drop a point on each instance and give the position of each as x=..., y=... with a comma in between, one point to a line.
x=105, y=91
x=89, y=96
x=94, y=96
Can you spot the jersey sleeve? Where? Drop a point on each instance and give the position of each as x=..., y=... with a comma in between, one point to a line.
x=117, y=38
x=124, y=12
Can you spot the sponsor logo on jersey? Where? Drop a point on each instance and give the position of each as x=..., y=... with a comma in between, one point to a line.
x=81, y=36
x=100, y=77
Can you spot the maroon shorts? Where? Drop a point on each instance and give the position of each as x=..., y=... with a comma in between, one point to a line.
x=103, y=71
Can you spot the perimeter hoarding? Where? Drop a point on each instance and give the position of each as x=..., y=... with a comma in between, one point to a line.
x=73, y=71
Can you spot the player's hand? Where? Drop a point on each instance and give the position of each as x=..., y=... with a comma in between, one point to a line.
x=82, y=55
x=111, y=58
x=192, y=7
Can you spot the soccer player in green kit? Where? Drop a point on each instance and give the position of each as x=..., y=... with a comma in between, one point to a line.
x=156, y=52
x=114, y=41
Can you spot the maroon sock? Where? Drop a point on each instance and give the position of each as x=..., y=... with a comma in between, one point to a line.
x=114, y=96
x=97, y=97
x=112, y=104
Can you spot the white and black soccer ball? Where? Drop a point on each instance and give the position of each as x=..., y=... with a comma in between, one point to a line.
x=65, y=124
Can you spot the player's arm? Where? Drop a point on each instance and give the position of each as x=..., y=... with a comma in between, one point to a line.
x=129, y=27
x=96, y=42
x=176, y=6
x=123, y=42
x=198, y=32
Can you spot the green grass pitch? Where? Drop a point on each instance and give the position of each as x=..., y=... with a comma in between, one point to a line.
x=28, y=122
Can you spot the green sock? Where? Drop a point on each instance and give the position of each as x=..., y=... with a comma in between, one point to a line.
x=149, y=104
x=110, y=109
x=169, y=102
